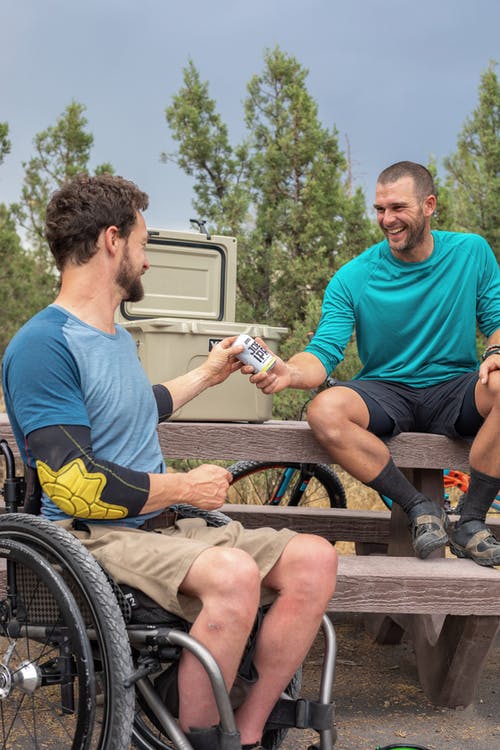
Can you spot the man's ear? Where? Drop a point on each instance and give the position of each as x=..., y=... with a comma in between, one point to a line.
x=111, y=235
x=430, y=205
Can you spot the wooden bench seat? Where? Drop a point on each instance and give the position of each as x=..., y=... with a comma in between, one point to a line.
x=437, y=586
x=335, y=524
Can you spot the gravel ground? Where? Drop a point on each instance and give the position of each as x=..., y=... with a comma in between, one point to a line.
x=379, y=700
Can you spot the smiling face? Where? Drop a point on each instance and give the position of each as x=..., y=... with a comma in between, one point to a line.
x=404, y=218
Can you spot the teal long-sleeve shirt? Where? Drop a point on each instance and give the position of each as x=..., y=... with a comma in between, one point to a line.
x=415, y=323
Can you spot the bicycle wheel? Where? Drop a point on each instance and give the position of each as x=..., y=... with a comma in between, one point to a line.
x=47, y=683
x=102, y=616
x=286, y=483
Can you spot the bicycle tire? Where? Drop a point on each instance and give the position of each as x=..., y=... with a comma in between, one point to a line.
x=254, y=481
x=95, y=597
x=46, y=663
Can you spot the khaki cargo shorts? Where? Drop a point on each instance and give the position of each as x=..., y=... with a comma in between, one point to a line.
x=156, y=562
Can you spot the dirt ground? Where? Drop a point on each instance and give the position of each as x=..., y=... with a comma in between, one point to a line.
x=378, y=699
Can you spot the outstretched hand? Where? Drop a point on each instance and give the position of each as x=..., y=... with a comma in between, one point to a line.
x=273, y=380
x=221, y=361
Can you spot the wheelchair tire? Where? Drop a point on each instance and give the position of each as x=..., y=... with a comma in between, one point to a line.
x=103, y=619
x=254, y=483
x=47, y=682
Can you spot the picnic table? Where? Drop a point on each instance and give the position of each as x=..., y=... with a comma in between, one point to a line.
x=450, y=608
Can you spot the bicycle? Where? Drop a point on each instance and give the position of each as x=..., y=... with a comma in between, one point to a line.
x=286, y=483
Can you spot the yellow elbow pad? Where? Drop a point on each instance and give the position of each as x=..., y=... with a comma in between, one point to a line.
x=77, y=492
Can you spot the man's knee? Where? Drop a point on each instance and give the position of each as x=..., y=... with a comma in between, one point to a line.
x=226, y=575
x=494, y=385
x=310, y=567
x=323, y=412
x=330, y=411
x=488, y=395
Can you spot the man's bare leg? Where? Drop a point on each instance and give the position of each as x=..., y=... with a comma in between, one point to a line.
x=227, y=582
x=470, y=536
x=339, y=418
x=304, y=578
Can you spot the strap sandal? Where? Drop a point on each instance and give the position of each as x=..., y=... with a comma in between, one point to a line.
x=428, y=532
x=475, y=541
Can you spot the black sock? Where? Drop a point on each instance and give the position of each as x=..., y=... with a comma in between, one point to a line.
x=482, y=491
x=392, y=483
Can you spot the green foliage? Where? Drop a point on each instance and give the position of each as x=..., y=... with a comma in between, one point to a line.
x=5, y=144
x=205, y=153
x=26, y=286
x=61, y=151
x=444, y=216
x=474, y=169
x=284, y=192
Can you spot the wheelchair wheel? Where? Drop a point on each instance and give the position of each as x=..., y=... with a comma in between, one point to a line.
x=47, y=685
x=103, y=620
x=286, y=483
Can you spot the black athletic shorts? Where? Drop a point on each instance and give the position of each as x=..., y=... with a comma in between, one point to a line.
x=448, y=408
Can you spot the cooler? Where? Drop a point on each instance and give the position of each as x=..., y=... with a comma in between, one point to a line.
x=189, y=304
x=168, y=347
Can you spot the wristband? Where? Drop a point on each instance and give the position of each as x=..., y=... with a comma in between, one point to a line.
x=493, y=349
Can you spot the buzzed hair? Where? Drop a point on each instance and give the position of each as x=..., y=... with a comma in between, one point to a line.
x=422, y=178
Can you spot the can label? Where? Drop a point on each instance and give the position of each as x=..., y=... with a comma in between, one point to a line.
x=254, y=354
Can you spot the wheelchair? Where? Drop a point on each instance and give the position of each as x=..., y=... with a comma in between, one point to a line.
x=86, y=664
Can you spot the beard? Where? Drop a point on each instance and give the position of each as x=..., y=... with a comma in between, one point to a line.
x=129, y=280
x=415, y=233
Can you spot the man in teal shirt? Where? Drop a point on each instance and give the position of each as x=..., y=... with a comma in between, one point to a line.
x=414, y=301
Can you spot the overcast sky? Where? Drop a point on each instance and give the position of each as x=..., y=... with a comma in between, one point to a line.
x=398, y=77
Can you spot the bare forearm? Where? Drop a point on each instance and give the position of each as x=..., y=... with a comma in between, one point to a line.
x=302, y=371
x=306, y=371
x=188, y=386
x=204, y=487
x=219, y=365
x=491, y=357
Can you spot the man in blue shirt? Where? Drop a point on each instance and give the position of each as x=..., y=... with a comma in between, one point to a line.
x=413, y=300
x=85, y=416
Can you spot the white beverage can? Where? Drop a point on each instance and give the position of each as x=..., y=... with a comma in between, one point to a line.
x=254, y=354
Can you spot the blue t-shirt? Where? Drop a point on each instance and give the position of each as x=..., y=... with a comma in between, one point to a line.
x=415, y=323
x=59, y=370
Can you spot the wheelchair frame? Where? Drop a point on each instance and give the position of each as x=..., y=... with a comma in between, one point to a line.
x=69, y=653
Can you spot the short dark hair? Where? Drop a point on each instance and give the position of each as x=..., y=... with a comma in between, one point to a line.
x=422, y=178
x=85, y=205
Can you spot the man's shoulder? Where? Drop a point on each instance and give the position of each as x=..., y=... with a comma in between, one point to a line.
x=48, y=322
x=366, y=260
x=459, y=239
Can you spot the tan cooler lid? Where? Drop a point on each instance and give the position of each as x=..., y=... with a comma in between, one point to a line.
x=190, y=276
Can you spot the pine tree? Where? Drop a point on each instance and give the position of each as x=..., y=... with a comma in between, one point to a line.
x=284, y=192
x=474, y=168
